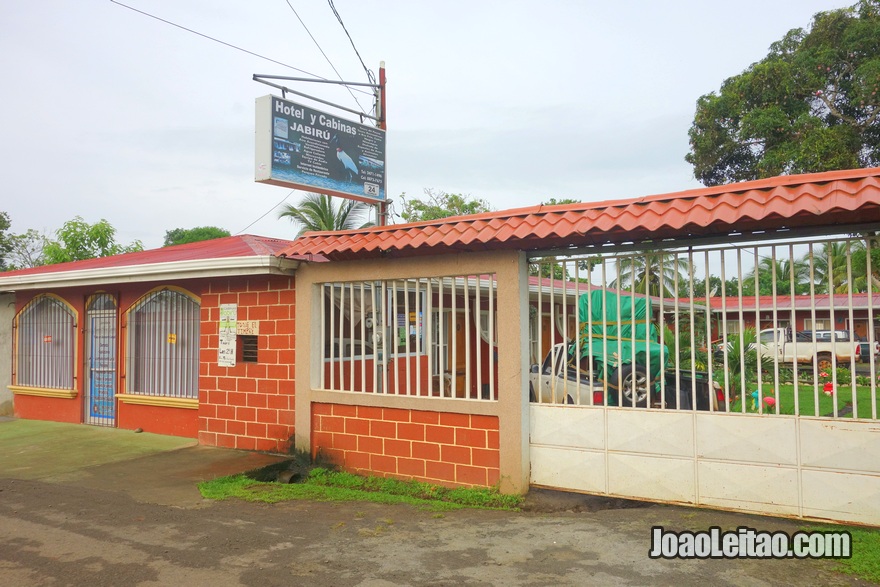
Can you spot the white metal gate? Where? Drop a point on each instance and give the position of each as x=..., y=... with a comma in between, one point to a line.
x=753, y=411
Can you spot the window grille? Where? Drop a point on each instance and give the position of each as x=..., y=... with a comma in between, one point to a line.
x=46, y=343
x=163, y=347
x=416, y=337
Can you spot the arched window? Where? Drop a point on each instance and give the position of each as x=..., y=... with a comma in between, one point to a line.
x=46, y=344
x=163, y=345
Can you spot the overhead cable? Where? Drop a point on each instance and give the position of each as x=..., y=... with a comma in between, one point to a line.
x=225, y=43
x=324, y=54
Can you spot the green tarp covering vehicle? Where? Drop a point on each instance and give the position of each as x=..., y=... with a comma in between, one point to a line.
x=617, y=336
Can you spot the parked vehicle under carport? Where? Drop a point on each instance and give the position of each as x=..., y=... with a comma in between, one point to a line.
x=559, y=379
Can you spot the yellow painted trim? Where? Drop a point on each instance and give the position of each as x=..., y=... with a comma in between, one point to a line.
x=43, y=391
x=162, y=402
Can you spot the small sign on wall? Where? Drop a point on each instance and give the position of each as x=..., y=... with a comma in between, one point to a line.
x=248, y=327
x=228, y=330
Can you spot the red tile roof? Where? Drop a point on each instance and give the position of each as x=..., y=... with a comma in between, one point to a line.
x=222, y=248
x=819, y=199
x=804, y=302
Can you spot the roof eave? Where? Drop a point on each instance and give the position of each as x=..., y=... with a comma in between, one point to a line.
x=190, y=269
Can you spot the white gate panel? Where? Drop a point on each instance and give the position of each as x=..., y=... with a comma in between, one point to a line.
x=577, y=470
x=650, y=477
x=781, y=465
x=750, y=487
x=840, y=445
x=582, y=428
x=666, y=433
x=747, y=438
x=844, y=497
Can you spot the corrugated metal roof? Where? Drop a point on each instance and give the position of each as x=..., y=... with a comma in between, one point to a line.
x=836, y=197
x=801, y=302
x=245, y=245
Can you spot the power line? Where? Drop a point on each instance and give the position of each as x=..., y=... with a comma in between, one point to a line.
x=324, y=54
x=267, y=212
x=370, y=75
x=225, y=43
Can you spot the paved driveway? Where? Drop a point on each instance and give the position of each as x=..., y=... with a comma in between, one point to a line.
x=138, y=520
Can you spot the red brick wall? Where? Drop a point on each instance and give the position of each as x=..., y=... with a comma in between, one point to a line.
x=160, y=420
x=249, y=406
x=437, y=447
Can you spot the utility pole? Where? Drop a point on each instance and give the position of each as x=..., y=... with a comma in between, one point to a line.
x=382, y=207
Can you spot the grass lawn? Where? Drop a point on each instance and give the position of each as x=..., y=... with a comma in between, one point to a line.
x=807, y=398
x=865, y=560
x=325, y=485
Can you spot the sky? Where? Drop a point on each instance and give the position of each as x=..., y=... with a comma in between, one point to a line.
x=108, y=113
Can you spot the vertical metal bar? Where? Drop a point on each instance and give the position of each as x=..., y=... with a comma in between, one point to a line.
x=428, y=333
x=758, y=322
x=395, y=364
x=478, y=298
x=815, y=366
x=407, y=349
x=454, y=334
x=832, y=326
x=852, y=330
x=709, y=296
x=323, y=334
x=419, y=336
x=352, y=341
x=467, y=337
x=442, y=344
x=332, y=357
x=792, y=322
x=870, y=244
x=363, y=338
x=493, y=344
x=389, y=321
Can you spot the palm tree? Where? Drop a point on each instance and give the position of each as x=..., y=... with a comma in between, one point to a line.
x=644, y=273
x=781, y=271
x=835, y=254
x=316, y=212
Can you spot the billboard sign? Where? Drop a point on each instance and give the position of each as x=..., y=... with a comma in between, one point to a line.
x=306, y=149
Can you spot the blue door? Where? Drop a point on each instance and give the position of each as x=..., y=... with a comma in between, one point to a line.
x=100, y=339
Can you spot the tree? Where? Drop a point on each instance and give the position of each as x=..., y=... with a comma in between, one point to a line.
x=780, y=271
x=437, y=205
x=77, y=240
x=644, y=273
x=5, y=244
x=180, y=236
x=317, y=212
x=26, y=250
x=811, y=105
x=560, y=202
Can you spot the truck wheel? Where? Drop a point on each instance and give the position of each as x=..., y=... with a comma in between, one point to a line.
x=532, y=397
x=633, y=384
x=823, y=362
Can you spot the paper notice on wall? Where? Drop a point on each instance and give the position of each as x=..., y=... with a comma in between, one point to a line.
x=227, y=331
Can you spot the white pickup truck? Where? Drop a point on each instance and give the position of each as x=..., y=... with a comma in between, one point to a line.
x=809, y=348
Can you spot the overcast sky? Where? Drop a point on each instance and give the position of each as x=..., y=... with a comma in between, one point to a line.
x=107, y=113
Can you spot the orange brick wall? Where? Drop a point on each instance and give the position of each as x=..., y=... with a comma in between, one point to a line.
x=249, y=406
x=437, y=447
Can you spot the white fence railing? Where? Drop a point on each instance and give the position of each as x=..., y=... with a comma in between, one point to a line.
x=772, y=327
